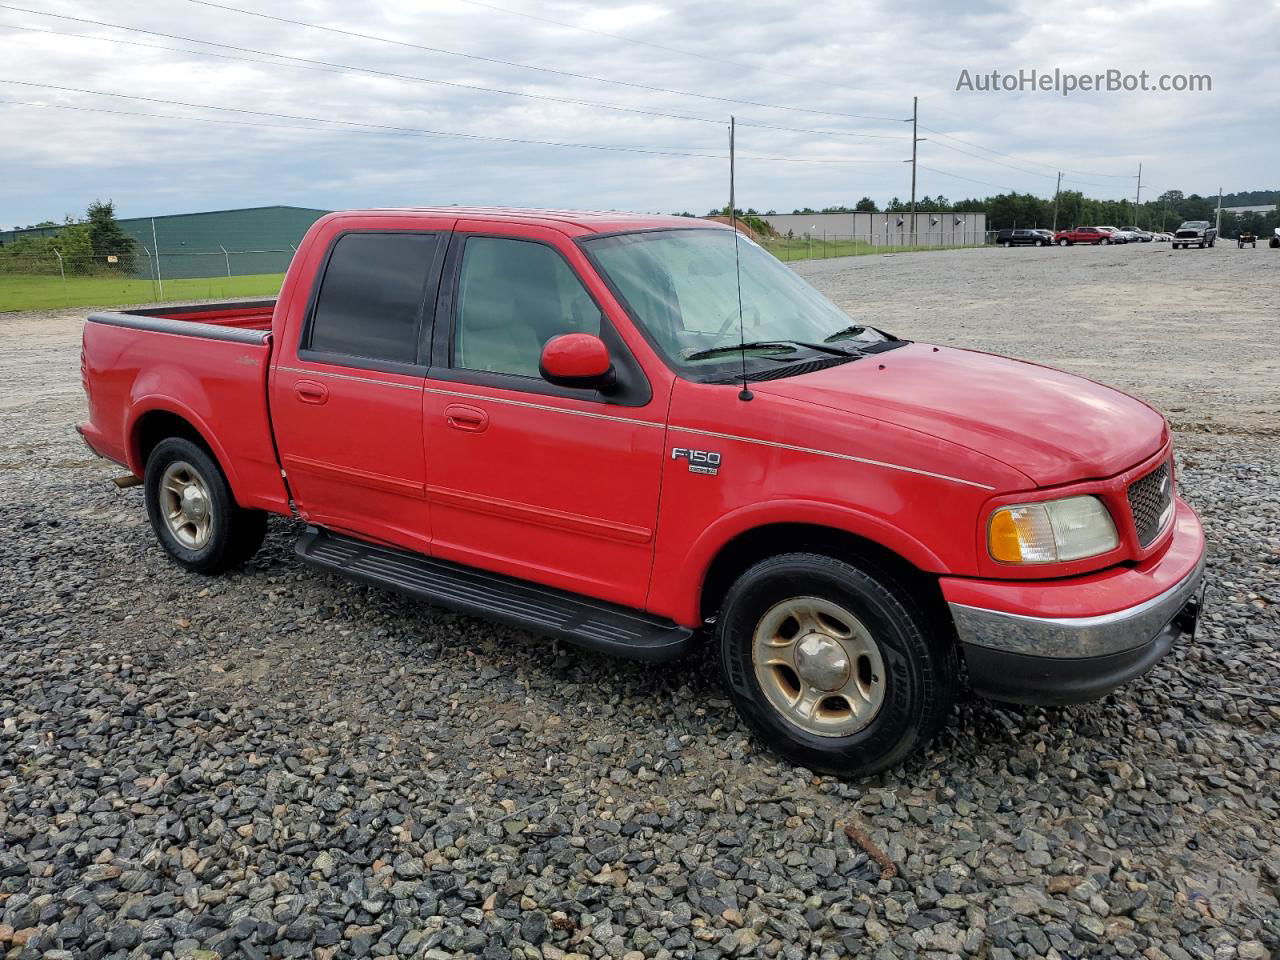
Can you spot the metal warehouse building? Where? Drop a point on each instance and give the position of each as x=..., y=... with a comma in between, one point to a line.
x=932, y=228
x=241, y=242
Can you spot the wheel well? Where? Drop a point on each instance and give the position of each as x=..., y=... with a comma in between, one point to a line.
x=158, y=425
x=748, y=549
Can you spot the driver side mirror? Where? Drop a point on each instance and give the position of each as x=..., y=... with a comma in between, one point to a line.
x=577, y=360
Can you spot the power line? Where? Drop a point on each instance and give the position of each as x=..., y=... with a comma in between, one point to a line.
x=526, y=66
x=985, y=183
x=420, y=131
x=613, y=36
x=1032, y=173
x=328, y=66
x=1010, y=156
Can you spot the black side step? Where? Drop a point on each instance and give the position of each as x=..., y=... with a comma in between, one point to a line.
x=602, y=626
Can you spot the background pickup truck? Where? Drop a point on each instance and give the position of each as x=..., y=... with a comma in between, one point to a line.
x=1065, y=238
x=1197, y=233
x=635, y=433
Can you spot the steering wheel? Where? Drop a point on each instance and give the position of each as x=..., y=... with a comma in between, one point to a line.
x=731, y=321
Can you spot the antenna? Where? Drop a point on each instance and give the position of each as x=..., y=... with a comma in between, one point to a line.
x=745, y=393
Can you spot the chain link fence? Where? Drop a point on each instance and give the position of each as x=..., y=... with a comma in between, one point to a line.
x=821, y=246
x=54, y=279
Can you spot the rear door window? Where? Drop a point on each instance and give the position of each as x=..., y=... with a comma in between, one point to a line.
x=371, y=300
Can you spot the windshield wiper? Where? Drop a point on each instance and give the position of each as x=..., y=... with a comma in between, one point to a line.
x=856, y=330
x=779, y=345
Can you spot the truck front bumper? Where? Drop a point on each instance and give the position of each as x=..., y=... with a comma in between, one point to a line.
x=1102, y=629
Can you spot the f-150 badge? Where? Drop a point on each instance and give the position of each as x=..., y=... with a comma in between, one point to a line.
x=700, y=461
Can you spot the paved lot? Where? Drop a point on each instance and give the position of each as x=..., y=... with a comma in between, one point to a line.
x=275, y=763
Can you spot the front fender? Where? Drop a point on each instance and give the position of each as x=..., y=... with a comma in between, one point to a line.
x=692, y=574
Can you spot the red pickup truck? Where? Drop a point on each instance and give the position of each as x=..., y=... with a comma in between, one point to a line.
x=637, y=432
x=1065, y=238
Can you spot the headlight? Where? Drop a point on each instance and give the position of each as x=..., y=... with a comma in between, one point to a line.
x=1051, y=532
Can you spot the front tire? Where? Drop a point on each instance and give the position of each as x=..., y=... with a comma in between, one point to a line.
x=1064, y=242
x=835, y=667
x=193, y=513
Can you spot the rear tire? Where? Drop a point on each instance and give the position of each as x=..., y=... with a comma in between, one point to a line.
x=193, y=513
x=835, y=667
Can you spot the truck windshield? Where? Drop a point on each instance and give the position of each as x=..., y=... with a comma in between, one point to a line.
x=682, y=285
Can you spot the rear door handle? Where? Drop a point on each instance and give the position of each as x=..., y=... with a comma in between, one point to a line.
x=461, y=417
x=309, y=391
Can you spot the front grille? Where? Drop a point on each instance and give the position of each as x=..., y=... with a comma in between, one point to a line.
x=1151, y=502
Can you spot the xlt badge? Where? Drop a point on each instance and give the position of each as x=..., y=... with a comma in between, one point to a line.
x=700, y=461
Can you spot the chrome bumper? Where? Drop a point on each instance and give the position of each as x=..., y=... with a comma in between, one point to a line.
x=1076, y=637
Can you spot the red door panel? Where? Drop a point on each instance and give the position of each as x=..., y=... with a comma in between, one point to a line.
x=559, y=491
x=355, y=459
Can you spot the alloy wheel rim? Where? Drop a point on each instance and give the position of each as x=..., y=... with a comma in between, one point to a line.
x=186, y=505
x=818, y=666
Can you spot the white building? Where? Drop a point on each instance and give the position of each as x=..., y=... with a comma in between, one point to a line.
x=932, y=228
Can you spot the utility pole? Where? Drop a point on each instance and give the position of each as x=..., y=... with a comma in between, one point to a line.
x=733, y=215
x=915, y=117
x=1056, y=191
x=1218, y=224
x=1137, y=197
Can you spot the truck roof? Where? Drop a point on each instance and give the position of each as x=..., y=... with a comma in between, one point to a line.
x=577, y=221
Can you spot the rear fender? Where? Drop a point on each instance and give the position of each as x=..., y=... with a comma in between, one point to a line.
x=144, y=401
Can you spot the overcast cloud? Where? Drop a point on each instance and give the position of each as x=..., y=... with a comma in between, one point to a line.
x=867, y=58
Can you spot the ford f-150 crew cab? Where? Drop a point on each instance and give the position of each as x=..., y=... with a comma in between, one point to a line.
x=636, y=432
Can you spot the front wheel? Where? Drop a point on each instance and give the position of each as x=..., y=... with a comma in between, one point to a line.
x=1039, y=243
x=192, y=511
x=837, y=668
x=1064, y=242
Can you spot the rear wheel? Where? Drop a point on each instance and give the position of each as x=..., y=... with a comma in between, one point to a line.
x=835, y=667
x=193, y=513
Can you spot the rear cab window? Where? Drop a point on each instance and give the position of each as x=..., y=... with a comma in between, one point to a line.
x=375, y=290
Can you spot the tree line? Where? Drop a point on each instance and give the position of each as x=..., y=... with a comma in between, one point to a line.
x=80, y=248
x=1074, y=209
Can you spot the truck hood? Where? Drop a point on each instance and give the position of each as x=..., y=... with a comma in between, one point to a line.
x=1051, y=426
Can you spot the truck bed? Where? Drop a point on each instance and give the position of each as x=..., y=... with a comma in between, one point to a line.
x=205, y=364
x=246, y=321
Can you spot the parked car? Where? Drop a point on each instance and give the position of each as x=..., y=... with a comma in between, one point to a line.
x=1142, y=236
x=1197, y=233
x=569, y=422
x=1115, y=235
x=1247, y=236
x=1016, y=238
x=1065, y=238
x=1274, y=242
x=1162, y=237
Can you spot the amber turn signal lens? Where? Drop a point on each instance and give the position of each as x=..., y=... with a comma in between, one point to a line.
x=1053, y=531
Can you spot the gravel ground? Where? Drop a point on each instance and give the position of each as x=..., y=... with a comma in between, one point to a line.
x=276, y=763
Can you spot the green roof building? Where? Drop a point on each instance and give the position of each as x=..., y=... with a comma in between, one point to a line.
x=243, y=242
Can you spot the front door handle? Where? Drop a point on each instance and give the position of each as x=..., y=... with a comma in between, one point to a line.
x=309, y=391
x=461, y=417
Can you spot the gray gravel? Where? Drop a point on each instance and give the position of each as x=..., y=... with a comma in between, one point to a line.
x=279, y=764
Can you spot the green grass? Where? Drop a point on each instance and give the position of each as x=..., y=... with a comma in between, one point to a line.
x=819, y=249
x=25, y=292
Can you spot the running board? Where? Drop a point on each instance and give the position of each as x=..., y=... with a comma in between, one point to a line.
x=596, y=624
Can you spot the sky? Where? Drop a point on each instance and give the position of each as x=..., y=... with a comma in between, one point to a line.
x=822, y=93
